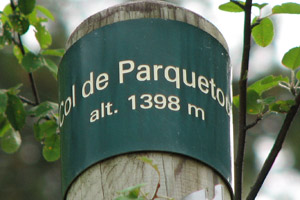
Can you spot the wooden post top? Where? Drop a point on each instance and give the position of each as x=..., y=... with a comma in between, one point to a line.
x=144, y=9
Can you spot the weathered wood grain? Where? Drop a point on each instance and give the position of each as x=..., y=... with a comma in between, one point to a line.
x=144, y=9
x=180, y=176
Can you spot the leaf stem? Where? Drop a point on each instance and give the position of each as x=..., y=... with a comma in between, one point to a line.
x=292, y=85
x=275, y=150
x=243, y=101
x=297, y=84
x=284, y=85
x=156, y=191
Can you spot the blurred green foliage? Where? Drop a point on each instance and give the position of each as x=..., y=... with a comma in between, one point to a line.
x=16, y=18
x=26, y=174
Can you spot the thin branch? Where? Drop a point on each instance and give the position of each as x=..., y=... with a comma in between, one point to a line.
x=34, y=89
x=255, y=24
x=31, y=78
x=32, y=81
x=25, y=100
x=260, y=19
x=243, y=99
x=258, y=119
x=12, y=4
x=275, y=150
x=238, y=3
x=156, y=191
x=20, y=44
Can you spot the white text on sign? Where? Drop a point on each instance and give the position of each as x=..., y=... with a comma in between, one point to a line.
x=179, y=77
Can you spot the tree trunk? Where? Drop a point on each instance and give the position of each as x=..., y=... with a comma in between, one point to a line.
x=180, y=175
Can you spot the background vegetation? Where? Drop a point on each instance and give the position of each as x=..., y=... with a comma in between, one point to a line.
x=26, y=175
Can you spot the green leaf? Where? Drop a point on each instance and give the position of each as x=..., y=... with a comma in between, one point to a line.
x=45, y=11
x=236, y=101
x=15, y=112
x=51, y=149
x=11, y=141
x=267, y=100
x=291, y=59
x=128, y=198
x=298, y=75
x=43, y=36
x=150, y=162
x=131, y=192
x=4, y=125
x=260, y=6
x=43, y=109
x=18, y=53
x=263, y=33
x=15, y=90
x=26, y=6
x=19, y=23
x=6, y=39
x=231, y=7
x=53, y=52
x=287, y=8
x=127, y=190
x=3, y=101
x=267, y=83
x=254, y=106
x=134, y=193
x=32, y=62
x=34, y=19
x=281, y=106
x=46, y=129
x=49, y=64
x=6, y=11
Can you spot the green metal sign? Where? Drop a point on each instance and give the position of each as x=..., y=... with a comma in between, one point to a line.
x=145, y=85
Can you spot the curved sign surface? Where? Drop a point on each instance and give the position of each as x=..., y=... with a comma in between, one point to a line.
x=145, y=85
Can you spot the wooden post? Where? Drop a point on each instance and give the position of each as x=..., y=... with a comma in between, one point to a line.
x=180, y=175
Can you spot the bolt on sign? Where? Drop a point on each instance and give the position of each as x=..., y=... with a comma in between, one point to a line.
x=145, y=84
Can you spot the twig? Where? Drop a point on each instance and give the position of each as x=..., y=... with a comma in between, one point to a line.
x=34, y=89
x=258, y=119
x=31, y=78
x=256, y=23
x=239, y=4
x=25, y=100
x=156, y=191
x=243, y=99
x=275, y=150
x=12, y=4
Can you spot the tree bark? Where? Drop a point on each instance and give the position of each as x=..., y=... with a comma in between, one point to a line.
x=180, y=175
